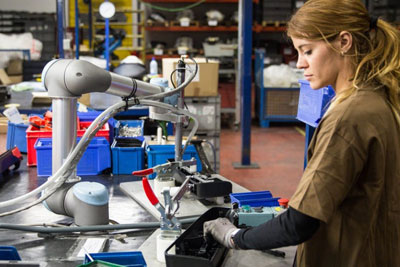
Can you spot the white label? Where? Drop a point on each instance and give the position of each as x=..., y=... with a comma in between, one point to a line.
x=212, y=22
x=13, y=115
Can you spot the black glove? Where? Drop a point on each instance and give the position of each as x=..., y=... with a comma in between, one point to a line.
x=221, y=229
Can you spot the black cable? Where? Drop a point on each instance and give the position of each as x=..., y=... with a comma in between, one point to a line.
x=132, y=94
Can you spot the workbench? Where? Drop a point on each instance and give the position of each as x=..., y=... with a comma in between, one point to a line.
x=66, y=249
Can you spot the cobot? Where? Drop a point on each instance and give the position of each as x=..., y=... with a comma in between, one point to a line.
x=66, y=80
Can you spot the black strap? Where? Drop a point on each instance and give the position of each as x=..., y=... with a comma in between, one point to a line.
x=132, y=94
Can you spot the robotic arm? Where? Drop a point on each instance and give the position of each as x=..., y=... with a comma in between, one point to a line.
x=71, y=78
x=66, y=80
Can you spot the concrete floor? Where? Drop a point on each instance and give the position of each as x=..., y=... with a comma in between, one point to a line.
x=279, y=152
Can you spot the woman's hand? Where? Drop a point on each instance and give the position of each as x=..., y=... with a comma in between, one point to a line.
x=221, y=229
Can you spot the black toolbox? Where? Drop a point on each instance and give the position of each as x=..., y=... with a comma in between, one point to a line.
x=191, y=248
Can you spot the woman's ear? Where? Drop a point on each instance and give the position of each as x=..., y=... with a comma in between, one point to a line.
x=346, y=41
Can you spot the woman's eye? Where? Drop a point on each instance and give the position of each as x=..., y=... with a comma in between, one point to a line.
x=308, y=52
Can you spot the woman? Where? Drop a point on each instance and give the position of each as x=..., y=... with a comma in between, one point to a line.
x=346, y=209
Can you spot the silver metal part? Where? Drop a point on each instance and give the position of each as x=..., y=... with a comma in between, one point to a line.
x=64, y=125
x=72, y=78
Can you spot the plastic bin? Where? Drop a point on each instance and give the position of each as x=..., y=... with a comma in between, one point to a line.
x=313, y=103
x=95, y=159
x=129, y=259
x=189, y=244
x=9, y=253
x=127, y=155
x=33, y=133
x=160, y=154
x=255, y=199
x=16, y=136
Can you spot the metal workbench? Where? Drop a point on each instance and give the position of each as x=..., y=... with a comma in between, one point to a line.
x=65, y=249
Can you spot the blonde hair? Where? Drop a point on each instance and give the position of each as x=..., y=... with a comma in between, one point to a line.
x=375, y=53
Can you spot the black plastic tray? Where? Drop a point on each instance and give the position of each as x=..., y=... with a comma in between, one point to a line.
x=190, y=242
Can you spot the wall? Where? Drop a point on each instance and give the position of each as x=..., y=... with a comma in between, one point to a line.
x=29, y=5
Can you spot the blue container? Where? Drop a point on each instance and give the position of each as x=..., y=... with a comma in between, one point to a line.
x=127, y=155
x=95, y=159
x=9, y=253
x=129, y=123
x=255, y=199
x=313, y=103
x=16, y=136
x=160, y=154
x=129, y=259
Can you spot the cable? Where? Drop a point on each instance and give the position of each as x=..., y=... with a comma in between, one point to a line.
x=173, y=9
x=70, y=229
x=214, y=153
x=176, y=90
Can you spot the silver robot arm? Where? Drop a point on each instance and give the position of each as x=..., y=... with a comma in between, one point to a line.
x=72, y=78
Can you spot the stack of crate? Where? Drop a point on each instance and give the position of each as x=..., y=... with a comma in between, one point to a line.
x=208, y=112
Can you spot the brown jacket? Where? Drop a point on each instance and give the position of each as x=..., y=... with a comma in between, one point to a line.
x=352, y=185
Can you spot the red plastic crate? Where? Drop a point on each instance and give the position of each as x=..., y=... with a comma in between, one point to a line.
x=33, y=133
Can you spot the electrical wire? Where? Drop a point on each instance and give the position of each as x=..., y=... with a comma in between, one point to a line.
x=91, y=228
x=173, y=9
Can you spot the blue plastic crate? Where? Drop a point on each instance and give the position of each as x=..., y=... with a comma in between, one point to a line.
x=160, y=154
x=313, y=103
x=129, y=123
x=255, y=199
x=9, y=253
x=16, y=136
x=129, y=259
x=126, y=157
x=95, y=159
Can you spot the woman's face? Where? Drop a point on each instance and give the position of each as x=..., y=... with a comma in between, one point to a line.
x=321, y=64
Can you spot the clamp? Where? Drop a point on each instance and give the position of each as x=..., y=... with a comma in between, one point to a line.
x=168, y=220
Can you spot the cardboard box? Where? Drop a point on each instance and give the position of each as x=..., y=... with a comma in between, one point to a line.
x=4, y=79
x=15, y=78
x=205, y=83
x=14, y=67
x=85, y=99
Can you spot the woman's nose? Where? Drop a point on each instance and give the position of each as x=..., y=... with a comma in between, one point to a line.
x=301, y=63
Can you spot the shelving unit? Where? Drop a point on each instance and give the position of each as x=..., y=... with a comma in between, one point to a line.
x=134, y=41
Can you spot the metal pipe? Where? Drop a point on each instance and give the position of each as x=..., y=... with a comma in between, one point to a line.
x=64, y=131
x=60, y=27
x=179, y=125
x=76, y=30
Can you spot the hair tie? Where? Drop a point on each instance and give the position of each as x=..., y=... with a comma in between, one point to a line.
x=373, y=22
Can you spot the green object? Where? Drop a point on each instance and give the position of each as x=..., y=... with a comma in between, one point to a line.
x=99, y=263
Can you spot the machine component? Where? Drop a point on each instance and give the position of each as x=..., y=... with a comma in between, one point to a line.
x=214, y=17
x=193, y=249
x=209, y=186
x=170, y=226
x=253, y=216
